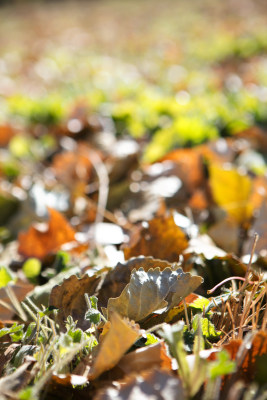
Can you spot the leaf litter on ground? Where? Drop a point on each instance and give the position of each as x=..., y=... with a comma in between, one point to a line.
x=132, y=182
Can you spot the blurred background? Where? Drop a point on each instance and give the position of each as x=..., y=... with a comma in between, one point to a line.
x=150, y=76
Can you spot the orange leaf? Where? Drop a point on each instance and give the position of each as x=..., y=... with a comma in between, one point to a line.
x=162, y=239
x=6, y=133
x=190, y=167
x=35, y=243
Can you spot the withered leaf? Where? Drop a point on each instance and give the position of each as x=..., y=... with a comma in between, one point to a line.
x=258, y=227
x=68, y=380
x=7, y=351
x=35, y=243
x=21, y=289
x=190, y=167
x=13, y=383
x=120, y=337
x=162, y=239
x=69, y=299
x=146, y=358
x=157, y=385
x=151, y=290
x=72, y=166
x=248, y=368
x=116, y=280
x=6, y=133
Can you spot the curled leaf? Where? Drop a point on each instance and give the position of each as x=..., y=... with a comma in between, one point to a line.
x=146, y=358
x=120, y=337
x=152, y=290
x=116, y=280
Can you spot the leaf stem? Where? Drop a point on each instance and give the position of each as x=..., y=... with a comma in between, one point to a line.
x=231, y=278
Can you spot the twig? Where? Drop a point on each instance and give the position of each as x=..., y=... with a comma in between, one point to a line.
x=16, y=304
x=186, y=315
x=103, y=179
x=256, y=237
x=229, y=279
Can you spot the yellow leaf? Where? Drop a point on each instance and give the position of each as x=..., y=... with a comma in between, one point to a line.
x=120, y=337
x=231, y=191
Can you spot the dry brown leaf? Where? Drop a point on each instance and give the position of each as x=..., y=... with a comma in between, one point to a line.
x=151, y=290
x=189, y=162
x=70, y=166
x=6, y=133
x=259, y=227
x=157, y=385
x=250, y=357
x=248, y=368
x=162, y=239
x=68, y=380
x=20, y=289
x=35, y=243
x=116, y=280
x=154, y=356
x=11, y=384
x=6, y=353
x=121, y=336
x=69, y=299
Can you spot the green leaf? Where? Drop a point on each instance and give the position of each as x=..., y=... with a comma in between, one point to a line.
x=17, y=336
x=151, y=339
x=76, y=335
x=93, y=316
x=32, y=268
x=93, y=301
x=48, y=311
x=15, y=328
x=5, y=276
x=222, y=366
x=207, y=328
x=27, y=394
x=26, y=350
x=200, y=303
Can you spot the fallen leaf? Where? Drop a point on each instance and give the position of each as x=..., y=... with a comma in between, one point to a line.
x=72, y=166
x=7, y=351
x=191, y=169
x=69, y=380
x=250, y=357
x=120, y=337
x=260, y=227
x=35, y=243
x=21, y=289
x=151, y=290
x=160, y=238
x=249, y=365
x=154, y=356
x=116, y=279
x=157, y=385
x=229, y=242
x=221, y=150
x=13, y=383
x=203, y=244
x=231, y=191
x=177, y=311
x=68, y=297
x=6, y=133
